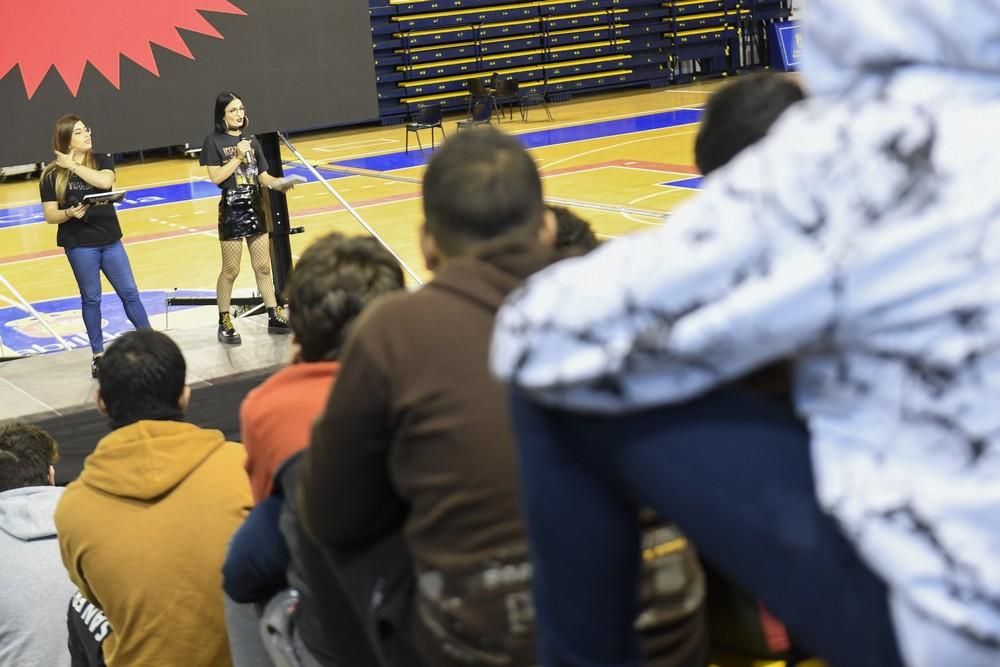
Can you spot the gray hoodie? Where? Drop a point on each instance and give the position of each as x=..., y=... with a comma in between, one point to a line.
x=35, y=588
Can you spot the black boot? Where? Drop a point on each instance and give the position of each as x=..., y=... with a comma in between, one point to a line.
x=95, y=366
x=227, y=332
x=276, y=322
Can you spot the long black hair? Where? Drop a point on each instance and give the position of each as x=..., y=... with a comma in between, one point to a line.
x=221, y=102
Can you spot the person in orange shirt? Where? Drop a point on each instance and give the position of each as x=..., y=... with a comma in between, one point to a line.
x=334, y=279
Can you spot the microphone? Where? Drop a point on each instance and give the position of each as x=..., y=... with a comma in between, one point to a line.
x=251, y=159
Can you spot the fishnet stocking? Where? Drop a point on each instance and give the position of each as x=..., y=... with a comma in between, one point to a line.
x=232, y=254
x=260, y=260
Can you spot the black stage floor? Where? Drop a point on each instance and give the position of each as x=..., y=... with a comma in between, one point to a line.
x=55, y=391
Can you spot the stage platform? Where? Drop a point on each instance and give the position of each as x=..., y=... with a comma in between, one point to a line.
x=55, y=390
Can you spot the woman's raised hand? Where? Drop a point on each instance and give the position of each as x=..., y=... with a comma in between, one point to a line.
x=65, y=160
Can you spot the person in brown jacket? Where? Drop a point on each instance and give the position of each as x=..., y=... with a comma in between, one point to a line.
x=416, y=437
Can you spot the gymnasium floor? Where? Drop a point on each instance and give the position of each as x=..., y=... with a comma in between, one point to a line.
x=621, y=160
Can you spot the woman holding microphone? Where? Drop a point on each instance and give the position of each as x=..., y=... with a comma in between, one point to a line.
x=89, y=234
x=238, y=166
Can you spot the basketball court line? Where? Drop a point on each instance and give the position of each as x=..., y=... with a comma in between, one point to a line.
x=628, y=210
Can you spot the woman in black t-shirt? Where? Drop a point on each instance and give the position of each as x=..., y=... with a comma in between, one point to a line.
x=90, y=235
x=238, y=166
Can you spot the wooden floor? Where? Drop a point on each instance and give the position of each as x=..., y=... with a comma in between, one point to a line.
x=594, y=156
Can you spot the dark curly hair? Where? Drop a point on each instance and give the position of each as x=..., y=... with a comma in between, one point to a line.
x=26, y=452
x=572, y=231
x=331, y=283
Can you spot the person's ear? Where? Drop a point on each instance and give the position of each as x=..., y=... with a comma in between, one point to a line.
x=549, y=229
x=185, y=399
x=430, y=250
x=101, y=407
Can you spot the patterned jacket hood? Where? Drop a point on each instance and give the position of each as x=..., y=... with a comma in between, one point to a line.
x=847, y=41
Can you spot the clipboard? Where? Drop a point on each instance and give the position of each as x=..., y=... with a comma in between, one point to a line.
x=112, y=197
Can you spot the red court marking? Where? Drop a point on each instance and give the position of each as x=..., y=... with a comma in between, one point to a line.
x=53, y=252
x=632, y=164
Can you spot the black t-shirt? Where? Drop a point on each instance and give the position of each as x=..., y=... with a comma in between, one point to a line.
x=219, y=148
x=88, y=628
x=99, y=225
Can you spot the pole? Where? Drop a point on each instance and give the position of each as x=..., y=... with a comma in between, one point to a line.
x=34, y=313
x=350, y=209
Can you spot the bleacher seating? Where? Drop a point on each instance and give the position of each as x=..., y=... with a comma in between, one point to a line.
x=426, y=50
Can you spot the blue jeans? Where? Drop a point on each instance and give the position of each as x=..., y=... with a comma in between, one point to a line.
x=87, y=264
x=733, y=470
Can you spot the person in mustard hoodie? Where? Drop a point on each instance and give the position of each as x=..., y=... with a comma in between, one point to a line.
x=143, y=531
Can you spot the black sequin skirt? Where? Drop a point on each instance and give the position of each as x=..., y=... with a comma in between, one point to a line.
x=240, y=213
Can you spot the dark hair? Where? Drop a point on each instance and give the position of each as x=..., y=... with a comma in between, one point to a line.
x=739, y=114
x=26, y=452
x=572, y=231
x=142, y=377
x=480, y=185
x=221, y=102
x=332, y=281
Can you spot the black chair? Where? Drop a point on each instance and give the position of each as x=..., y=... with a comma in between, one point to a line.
x=478, y=90
x=481, y=114
x=507, y=93
x=428, y=118
x=534, y=95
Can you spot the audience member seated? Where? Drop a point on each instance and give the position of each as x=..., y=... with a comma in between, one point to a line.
x=415, y=442
x=144, y=529
x=859, y=239
x=738, y=115
x=34, y=589
x=573, y=234
x=331, y=283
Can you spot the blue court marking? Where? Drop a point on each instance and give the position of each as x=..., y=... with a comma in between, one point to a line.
x=540, y=138
x=179, y=192
x=160, y=194
x=690, y=183
x=25, y=336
